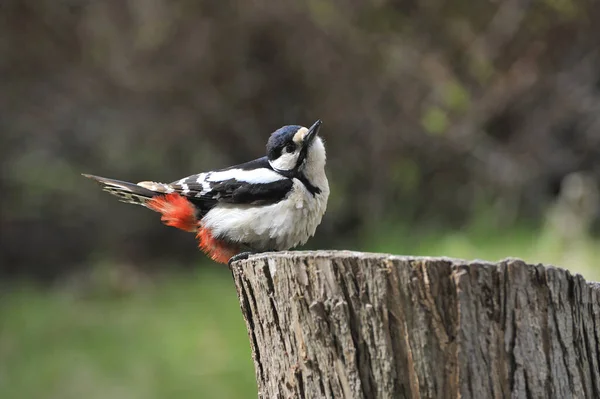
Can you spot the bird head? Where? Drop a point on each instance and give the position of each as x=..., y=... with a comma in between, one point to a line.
x=292, y=149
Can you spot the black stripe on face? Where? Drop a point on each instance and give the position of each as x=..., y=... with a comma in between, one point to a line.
x=312, y=189
x=277, y=144
x=294, y=174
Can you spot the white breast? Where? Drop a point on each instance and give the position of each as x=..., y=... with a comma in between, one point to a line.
x=278, y=226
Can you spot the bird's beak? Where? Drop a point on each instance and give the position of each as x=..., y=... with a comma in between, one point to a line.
x=312, y=133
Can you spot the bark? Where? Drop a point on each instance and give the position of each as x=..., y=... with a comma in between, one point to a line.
x=357, y=325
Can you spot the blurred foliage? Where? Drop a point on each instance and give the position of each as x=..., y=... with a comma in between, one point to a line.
x=433, y=110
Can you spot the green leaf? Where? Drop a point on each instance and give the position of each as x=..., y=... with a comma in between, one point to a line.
x=435, y=121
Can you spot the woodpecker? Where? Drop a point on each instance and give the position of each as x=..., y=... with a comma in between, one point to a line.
x=273, y=203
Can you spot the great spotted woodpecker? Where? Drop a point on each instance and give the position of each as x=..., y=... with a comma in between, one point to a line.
x=272, y=203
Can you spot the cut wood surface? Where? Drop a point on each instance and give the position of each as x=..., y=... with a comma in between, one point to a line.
x=339, y=324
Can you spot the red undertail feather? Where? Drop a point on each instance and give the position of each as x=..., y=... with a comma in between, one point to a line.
x=176, y=211
x=217, y=250
x=179, y=212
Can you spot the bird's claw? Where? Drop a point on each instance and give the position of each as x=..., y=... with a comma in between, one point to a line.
x=240, y=256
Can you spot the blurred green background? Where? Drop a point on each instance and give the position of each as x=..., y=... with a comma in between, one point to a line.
x=457, y=128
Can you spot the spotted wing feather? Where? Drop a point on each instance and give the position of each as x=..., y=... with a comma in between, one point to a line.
x=252, y=183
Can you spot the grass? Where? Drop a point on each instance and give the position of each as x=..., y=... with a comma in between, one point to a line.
x=183, y=335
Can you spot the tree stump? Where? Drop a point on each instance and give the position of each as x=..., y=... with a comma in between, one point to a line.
x=359, y=325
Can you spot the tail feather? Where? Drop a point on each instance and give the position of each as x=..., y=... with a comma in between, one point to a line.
x=129, y=193
x=157, y=187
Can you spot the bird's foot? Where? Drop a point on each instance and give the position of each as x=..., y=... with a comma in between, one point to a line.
x=240, y=256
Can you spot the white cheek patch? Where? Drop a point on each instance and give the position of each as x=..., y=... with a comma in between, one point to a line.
x=286, y=161
x=299, y=136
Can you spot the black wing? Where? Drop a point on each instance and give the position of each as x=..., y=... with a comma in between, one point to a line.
x=251, y=165
x=253, y=182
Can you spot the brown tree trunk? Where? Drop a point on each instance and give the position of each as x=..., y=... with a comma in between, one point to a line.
x=357, y=325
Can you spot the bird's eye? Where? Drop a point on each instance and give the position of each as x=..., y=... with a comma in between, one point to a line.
x=290, y=148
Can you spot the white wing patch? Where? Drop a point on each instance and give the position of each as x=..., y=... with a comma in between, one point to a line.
x=202, y=180
x=217, y=184
x=254, y=176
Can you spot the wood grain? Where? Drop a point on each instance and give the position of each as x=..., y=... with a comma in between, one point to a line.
x=358, y=325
